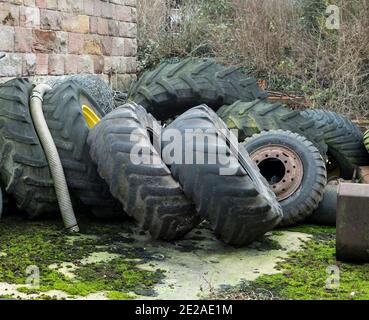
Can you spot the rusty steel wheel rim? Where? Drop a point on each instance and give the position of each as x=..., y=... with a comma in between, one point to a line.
x=282, y=167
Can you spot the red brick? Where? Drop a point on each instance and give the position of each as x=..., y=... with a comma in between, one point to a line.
x=50, y=20
x=7, y=38
x=119, y=64
x=97, y=7
x=98, y=64
x=118, y=47
x=56, y=64
x=29, y=64
x=61, y=42
x=123, y=13
x=108, y=65
x=92, y=45
x=127, y=30
x=113, y=27
x=75, y=43
x=130, y=47
x=107, y=10
x=83, y=24
x=102, y=26
x=133, y=15
x=106, y=46
x=69, y=22
x=88, y=7
x=11, y=65
x=93, y=24
x=41, y=4
x=9, y=14
x=43, y=41
x=29, y=17
x=85, y=64
x=71, y=64
x=42, y=64
x=23, y=39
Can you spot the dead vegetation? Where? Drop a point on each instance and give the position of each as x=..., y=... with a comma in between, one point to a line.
x=285, y=42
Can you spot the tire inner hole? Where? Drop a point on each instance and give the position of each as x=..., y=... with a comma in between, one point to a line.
x=273, y=170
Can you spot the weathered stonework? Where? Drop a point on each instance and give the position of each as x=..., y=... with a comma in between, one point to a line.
x=61, y=37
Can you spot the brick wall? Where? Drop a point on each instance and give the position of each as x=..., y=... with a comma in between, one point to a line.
x=50, y=38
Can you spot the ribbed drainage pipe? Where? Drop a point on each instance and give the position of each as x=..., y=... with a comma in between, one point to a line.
x=52, y=156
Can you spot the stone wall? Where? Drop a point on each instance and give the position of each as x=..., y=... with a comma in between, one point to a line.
x=50, y=38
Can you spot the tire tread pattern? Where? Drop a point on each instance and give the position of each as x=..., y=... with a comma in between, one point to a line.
x=148, y=192
x=250, y=118
x=343, y=137
x=24, y=169
x=237, y=211
x=69, y=130
x=172, y=89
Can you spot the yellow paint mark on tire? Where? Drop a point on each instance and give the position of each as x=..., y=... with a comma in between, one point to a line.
x=92, y=119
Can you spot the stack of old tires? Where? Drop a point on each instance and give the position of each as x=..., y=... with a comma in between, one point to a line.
x=24, y=170
x=296, y=152
x=116, y=165
x=95, y=148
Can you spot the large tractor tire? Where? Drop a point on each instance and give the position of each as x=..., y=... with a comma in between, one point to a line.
x=70, y=113
x=24, y=170
x=295, y=170
x=95, y=86
x=146, y=189
x=250, y=118
x=171, y=89
x=238, y=204
x=346, y=150
x=366, y=140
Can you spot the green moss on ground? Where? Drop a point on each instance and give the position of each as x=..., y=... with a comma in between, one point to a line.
x=41, y=244
x=304, y=274
x=312, y=229
x=25, y=243
x=116, y=295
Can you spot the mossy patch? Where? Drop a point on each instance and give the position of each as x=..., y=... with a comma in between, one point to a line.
x=41, y=244
x=313, y=229
x=307, y=274
x=115, y=295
